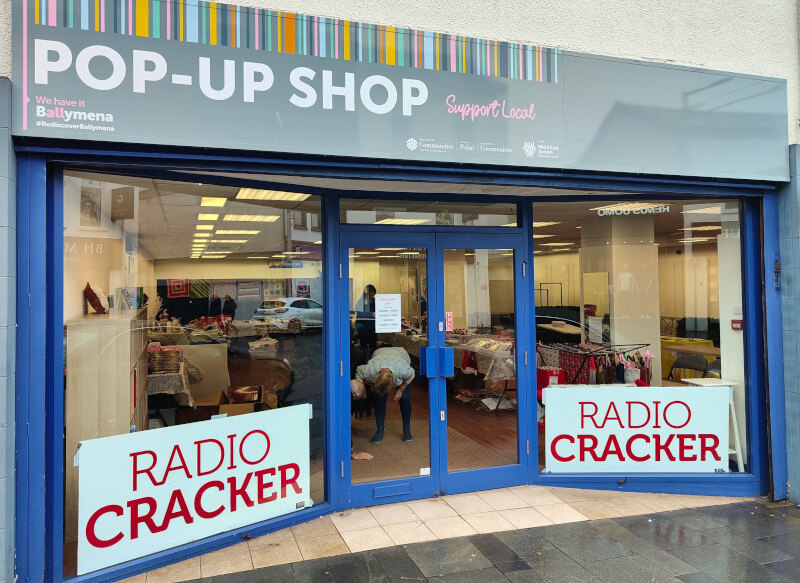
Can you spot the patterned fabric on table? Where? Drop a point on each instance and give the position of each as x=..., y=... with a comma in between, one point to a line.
x=501, y=369
x=550, y=356
x=576, y=367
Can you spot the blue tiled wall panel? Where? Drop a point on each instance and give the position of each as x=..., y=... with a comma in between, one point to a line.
x=790, y=304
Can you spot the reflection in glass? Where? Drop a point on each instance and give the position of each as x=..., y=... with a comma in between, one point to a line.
x=388, y=327
x=411, y=213
x=480, y=329
x=656, y=282
x=197, y=294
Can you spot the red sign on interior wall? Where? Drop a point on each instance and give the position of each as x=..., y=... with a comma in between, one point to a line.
x=448, y=321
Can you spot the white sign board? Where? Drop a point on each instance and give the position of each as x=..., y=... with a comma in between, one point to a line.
x=388, y=313
x=618, y=428
x=144, y=492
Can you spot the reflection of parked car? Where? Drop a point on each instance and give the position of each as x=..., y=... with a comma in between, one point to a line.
x=307, y=311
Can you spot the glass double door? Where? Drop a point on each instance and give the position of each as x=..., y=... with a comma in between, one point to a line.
x=433, y=354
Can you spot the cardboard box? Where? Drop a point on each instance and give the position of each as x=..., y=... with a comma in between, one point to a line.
x=210, y=405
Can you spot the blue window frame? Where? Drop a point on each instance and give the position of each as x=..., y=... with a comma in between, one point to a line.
x=39, y=460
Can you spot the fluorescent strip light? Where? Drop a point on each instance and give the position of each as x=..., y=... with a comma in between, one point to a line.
x=696, y=240
x=213, y=201
x=402, y=221
x=258, y=257
x=214, y=256
x=317, y=243
x=545, y=223
x=255, y=194
x=201, y=235
x=509, y=225
x=386, y=256
x=556, y=244
x=296, y=252
x=708, y=210
x=204, y=227
x=389, y=248
x=236, y=232
x=367, y=253
x=252, y=218
x=703, y=228
x=229, y=240
x=207, y=217
x=535, y=236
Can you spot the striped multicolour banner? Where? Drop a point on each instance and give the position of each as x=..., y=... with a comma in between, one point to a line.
x=213, y=23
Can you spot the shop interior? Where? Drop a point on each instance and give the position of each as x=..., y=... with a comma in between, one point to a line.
x=184, y=300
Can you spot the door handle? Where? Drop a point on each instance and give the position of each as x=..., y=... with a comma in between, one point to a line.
x=446, y=361
x=427, y=361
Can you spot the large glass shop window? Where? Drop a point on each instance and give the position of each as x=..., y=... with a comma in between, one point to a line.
x=188, y=303
x=645, y=293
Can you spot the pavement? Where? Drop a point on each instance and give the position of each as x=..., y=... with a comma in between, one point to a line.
x=494, y=536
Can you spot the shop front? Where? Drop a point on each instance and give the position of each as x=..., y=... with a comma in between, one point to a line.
x=273, y=266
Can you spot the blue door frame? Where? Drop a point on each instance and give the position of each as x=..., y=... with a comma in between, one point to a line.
x=440, y=481
x=39, y=406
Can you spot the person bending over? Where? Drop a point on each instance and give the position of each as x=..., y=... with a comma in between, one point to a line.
x=388, y=370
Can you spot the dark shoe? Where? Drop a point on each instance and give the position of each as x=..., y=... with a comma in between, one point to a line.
x=378, y=437
x=407, y=434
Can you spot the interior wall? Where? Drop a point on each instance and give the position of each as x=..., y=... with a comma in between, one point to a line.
x=680, y=275
x=560, y=268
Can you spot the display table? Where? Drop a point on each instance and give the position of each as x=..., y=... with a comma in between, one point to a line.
x=171, y=384
x=736, y=450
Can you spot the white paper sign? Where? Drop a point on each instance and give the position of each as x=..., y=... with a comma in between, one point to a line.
x=144, y=492
x=388, y=313
x=617, y=428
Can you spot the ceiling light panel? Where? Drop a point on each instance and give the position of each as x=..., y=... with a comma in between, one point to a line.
x=539, y=224
x=207, y=217
x=255, y=194
x=402, y=221
x=236, y=232
x=204, y=227
x=252, y=218
x=213, y=201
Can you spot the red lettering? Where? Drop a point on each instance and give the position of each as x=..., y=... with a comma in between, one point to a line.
x=284, y=469
x=688, y=414
x=554, y=443
x=709, y=448
x=263, y=485
x=92, y=537
x=663, y=448
x=148, y=471
x=655, y=417
x=200, y=472
x=612, y=448
x=232, y=465
x=630, y=416
x=176, y=450
x=240, y=492
x=629, y=446
x=147, y=519
x=583, y=448
x=198, y=500
x=183, y=510
x=685, y=448
x=584, y=415
x=241, y=447
x=616, y=417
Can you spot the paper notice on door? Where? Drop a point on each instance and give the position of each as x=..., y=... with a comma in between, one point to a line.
x=387, y=313
x=448, y=321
